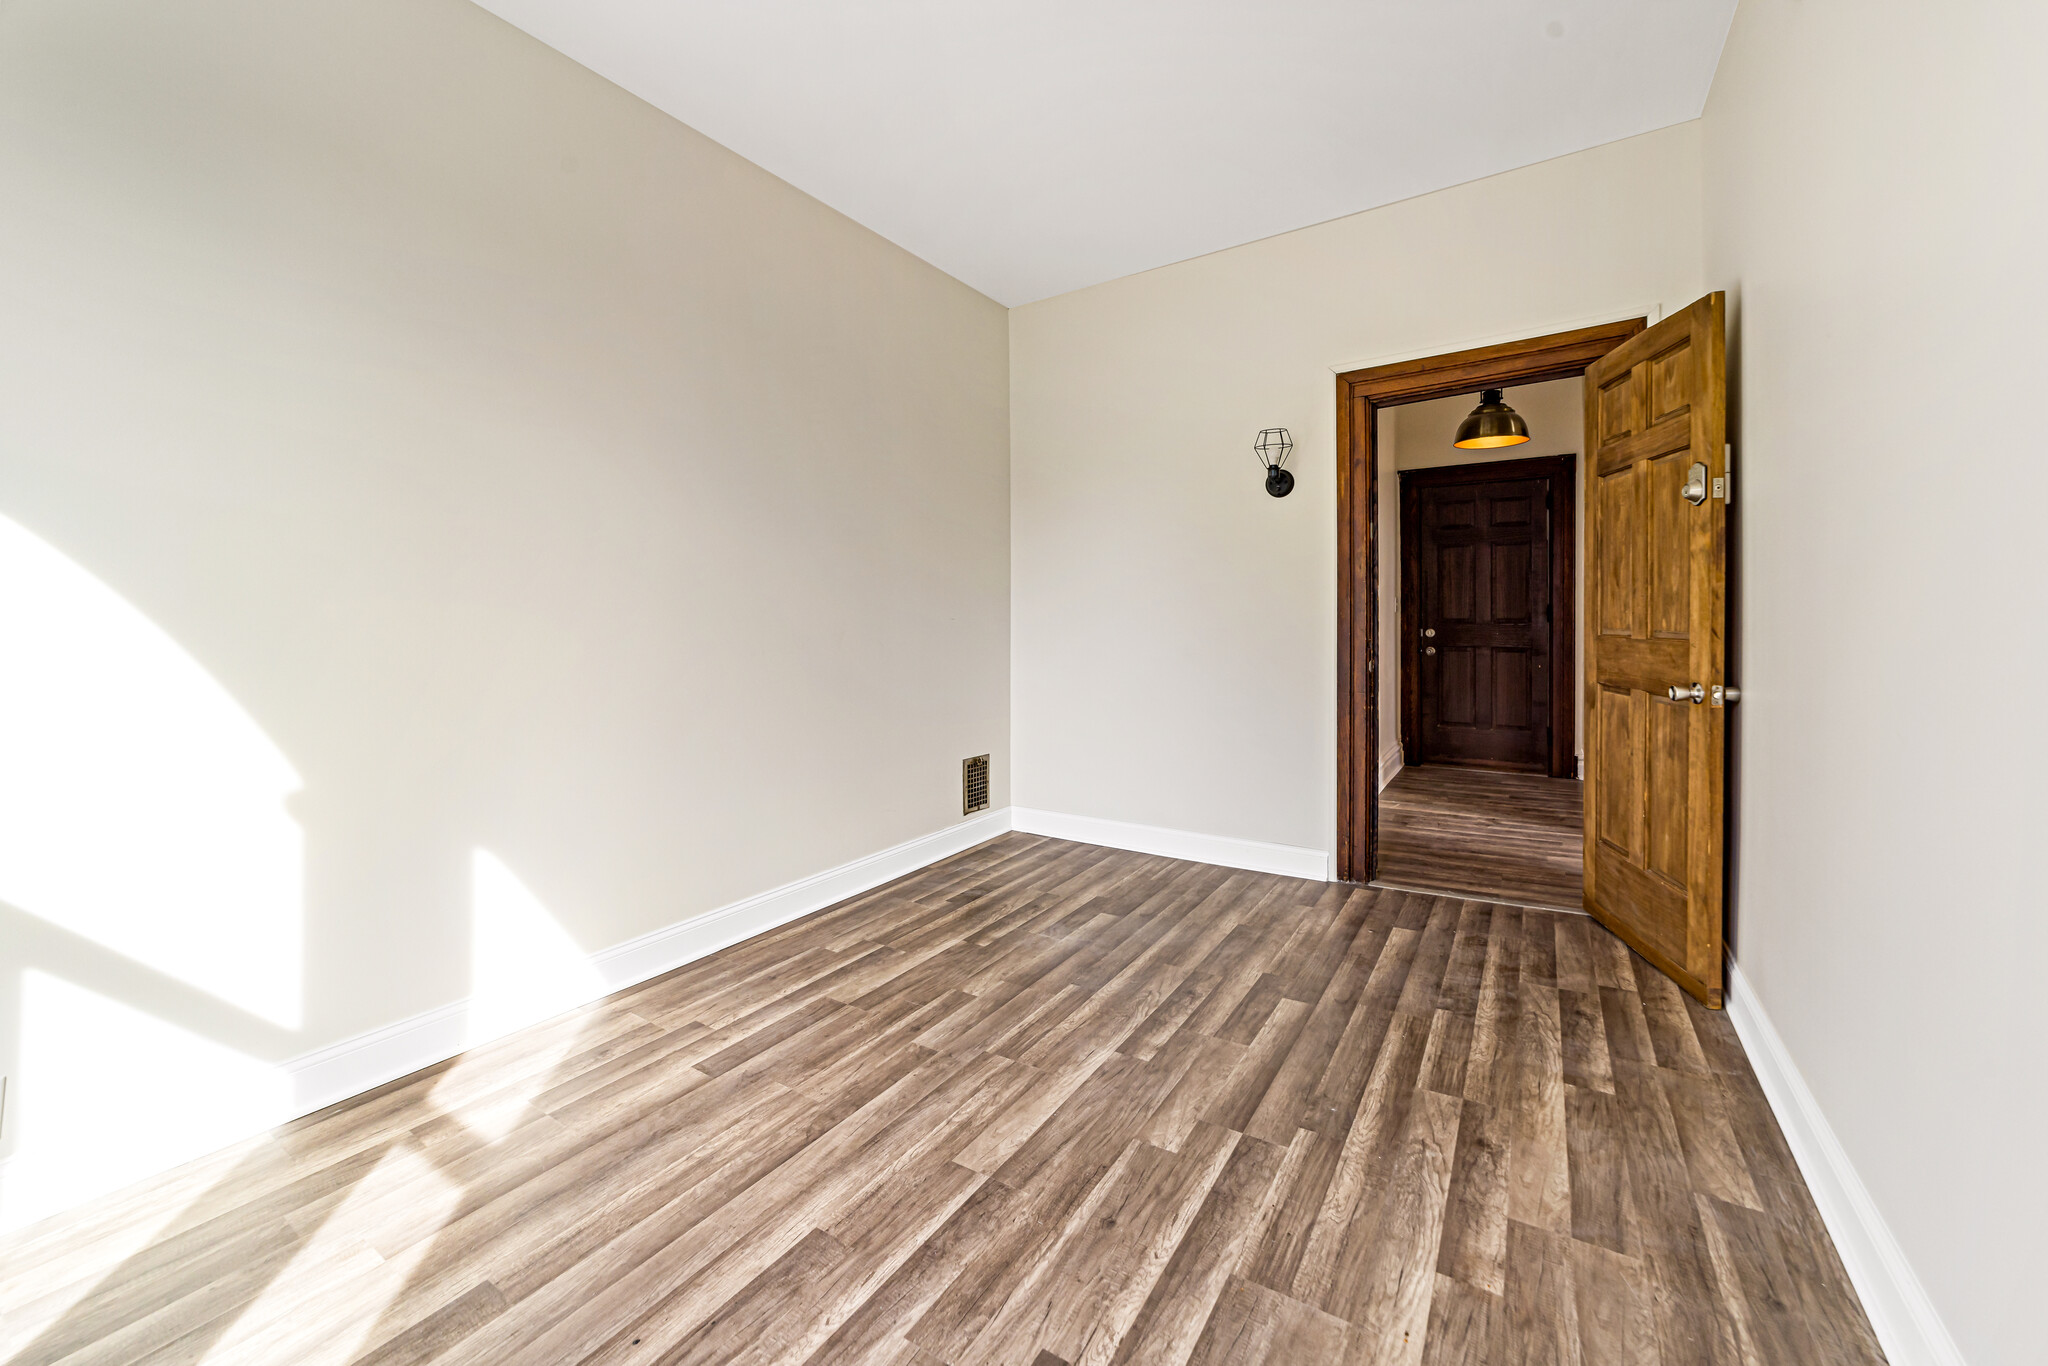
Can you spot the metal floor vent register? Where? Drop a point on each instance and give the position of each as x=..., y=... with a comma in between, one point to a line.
x=974, y=785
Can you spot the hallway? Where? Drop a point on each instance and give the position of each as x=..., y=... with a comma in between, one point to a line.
x=1477, y=832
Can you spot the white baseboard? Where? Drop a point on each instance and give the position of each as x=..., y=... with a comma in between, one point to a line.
x=1390, y=765
x=1287, y=860
x=348, y=1068
x=1904, y=1319
x=326, y=1076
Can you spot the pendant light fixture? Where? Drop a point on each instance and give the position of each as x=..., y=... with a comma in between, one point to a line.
x=1491, y=424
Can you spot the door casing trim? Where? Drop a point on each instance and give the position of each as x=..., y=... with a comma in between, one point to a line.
x=1360, y=395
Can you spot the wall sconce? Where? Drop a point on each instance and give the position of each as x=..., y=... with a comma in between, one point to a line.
x=1272, y=447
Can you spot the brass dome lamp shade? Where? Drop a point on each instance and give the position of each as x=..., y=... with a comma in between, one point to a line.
x=1491, y=424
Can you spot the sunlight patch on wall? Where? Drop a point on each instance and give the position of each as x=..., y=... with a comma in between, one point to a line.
x=524, y=968
x=140, y=807
x=109, y=1095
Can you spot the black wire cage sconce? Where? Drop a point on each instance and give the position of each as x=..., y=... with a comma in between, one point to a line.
x=1272, y=448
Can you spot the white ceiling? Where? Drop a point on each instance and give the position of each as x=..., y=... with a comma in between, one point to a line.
x=1030, y=147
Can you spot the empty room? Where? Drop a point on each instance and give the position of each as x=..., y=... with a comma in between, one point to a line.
x=1138, y=684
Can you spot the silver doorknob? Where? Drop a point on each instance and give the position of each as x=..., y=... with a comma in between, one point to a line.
x=1429, y=632
x=1429, y=649
x=1695, y=693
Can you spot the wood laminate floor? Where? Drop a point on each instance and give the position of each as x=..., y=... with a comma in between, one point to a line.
x=1483, y=833
x=1041, y=1103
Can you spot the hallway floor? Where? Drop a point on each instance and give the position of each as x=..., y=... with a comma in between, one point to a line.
x=1474, y=831
x=1042, y=1103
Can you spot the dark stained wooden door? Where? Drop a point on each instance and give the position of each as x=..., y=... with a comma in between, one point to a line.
x=1486, y=569
x=1656, y=580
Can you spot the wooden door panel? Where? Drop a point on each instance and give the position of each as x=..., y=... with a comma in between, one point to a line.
x=1669, y=383
x=1459, y=687
x=1611, y=773
x=1457, y=579
x=1612, y=577
x=1661, y=929
x=1668, y=564
x=1614, y=414
x=1667, y=753
x=1510, y=591
x=1511, y=694
x=1510, y=512
x=1656, y=589
x=1455, y=511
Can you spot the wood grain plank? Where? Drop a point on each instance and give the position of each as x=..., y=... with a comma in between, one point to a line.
x=995, y=1112
x=1481, y=833
x=1186, y=1292
x=1539, y=1189
x=1388, y=1293
x=1474, y=1246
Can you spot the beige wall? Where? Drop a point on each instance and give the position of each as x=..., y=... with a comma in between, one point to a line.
x=1174, y=630
x=1418, y=436
x=1875, y=208
x=475, y=479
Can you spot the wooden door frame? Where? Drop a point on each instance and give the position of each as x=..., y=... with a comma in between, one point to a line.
x=1560, y=473
x=1360, y=395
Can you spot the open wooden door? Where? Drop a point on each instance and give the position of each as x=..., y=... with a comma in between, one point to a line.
x=1656, y=604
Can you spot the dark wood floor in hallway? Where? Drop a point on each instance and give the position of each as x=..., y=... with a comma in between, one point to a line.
x=1041, y=1103
x=1478, y=832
